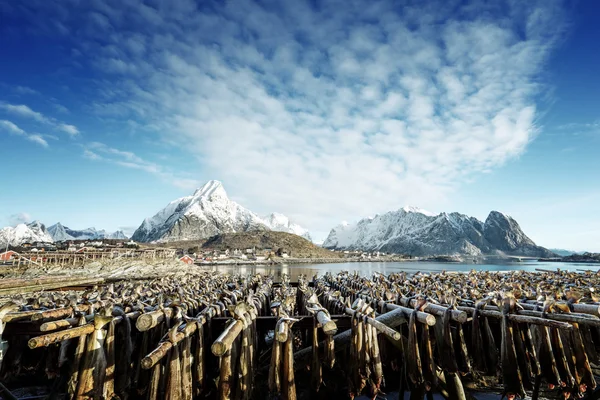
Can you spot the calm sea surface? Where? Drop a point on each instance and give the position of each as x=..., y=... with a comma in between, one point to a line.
x=368, y=268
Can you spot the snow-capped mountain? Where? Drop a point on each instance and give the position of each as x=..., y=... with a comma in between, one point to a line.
x=59, y=233
x=208, y=212
x=417, y=232
x=117, y=235
x=24, y=233
x=281, y=223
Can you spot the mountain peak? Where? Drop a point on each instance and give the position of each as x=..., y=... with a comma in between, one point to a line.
x=211, y=189
x=412, y=209
x=412, y=230
x=279, y=222
x=209, y=212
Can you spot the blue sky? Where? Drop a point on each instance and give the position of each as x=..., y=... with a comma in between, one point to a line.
x=324, y=111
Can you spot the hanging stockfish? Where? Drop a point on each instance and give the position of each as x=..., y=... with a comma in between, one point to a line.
x=511, y=375
x=154, y=384
x=377, y=371
x=244, y=381
x=124, y=359
x=427, y=360
x=186, y=369
x=173, y=389
x=77, y=359
x=288, y=386
x=562, y=365
x=548, y=368
x=93, y=369
x=109, y=349
x=446, y=343
x=329, y=351
x=315, y=367
x=7, y=307
x=414, y=367
x=477, y=345
x=275, y=368
x=199, y=359
x=583, y=372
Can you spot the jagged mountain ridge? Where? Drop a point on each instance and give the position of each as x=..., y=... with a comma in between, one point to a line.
x=280, y=223
x=206, y=213
x=25, y=233
x=414, y=231
x=60, y=233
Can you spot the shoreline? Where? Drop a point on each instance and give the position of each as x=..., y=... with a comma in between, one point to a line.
x=294, y=261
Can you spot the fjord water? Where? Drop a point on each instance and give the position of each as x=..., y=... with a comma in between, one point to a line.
x=369, y=268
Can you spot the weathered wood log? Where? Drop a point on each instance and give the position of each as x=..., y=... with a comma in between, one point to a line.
x=583, y=308
x=391, y=319
x=381, y=327
x=53, y=314
x=223, y=343
x=520, y=318
x=328, y=326
x=422, y=317
x=56, y=337
x=59, y=324
x=163, y=347
x=54, y=284
x=281, y=332
x=152, y=319
x=225, y=373
x=19, y=316
x=435, y=309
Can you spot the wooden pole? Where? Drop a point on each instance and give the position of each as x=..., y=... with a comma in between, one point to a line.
x=150, y=320
x=56, y=337
x=520, y=318
x=422, y=317
x=391, y=319
x=381, y=327
x=163, y=348
x=227, y=337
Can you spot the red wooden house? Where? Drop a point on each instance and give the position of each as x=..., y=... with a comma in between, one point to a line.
x=7, y=255
x=187, y=259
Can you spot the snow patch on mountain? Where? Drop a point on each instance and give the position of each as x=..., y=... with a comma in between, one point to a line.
x=410, y=230
x=209, y=212
x=281, y=223
x=61, y=233
x=24, y=233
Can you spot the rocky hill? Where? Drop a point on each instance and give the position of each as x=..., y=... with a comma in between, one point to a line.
x=294, y=245
x=419, y=233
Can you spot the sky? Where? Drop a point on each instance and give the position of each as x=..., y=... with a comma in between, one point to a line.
x=324, y=111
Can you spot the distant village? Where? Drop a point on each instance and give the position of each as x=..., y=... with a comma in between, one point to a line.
x=258, y=255
x=82, y=250
x=74, y=245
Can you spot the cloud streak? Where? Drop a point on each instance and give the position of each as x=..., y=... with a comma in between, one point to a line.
x=97, y=151
x=24, y=111
x=19, y=218
x=341, y=108
x=12, y=128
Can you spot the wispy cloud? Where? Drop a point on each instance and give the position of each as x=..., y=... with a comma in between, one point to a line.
x=340, y=108
x=97, y=151
x=19, y=218
x=24, y=111
x=580, y=125
x=25, y=90
x=12, y=128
